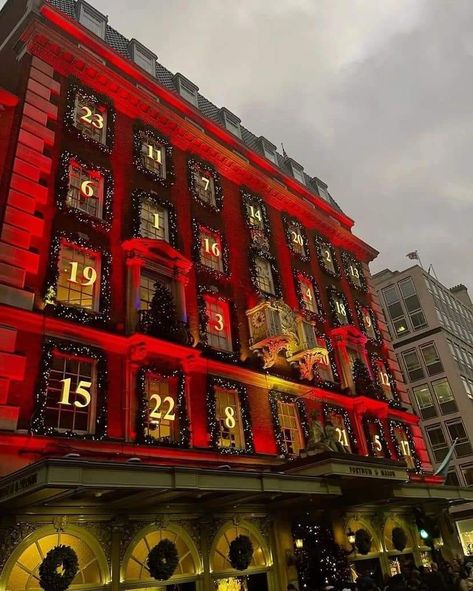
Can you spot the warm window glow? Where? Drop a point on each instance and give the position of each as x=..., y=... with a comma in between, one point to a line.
x=147, y=289
x=228, y=417
x=85, y=191
x=403, y=446
x=211, y=250
x=296, y=240
x=78, y=278
x=162, y=420
x=264, y=275
x=307, y=294
x=290, y=427
x=340, y=309
x=341, y=431
x=375, y=438
x=383, y=379
x=153, y=221
x=218, y=325
x=367, y=318
x=255, y=215
x=70, y=399
x=90, y=119
x=327, y=255
x=153, y=155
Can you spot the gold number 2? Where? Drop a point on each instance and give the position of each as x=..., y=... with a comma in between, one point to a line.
x=92, y=118
x=157, y=414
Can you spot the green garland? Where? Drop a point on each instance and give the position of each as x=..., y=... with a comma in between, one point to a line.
x=350, y=261
x=163, y=560
x=194, y=165
x=137, y=198
x=50, y=577
x=321, y=245
x=293, y=226
x=240, y=553
x=141, y=132
x=274, y=396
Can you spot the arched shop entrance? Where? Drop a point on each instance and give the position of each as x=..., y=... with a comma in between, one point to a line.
x=186, y=577
x=257, y=577
x=21, y=571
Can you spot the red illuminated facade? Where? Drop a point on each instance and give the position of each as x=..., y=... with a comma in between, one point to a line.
x=172, y=298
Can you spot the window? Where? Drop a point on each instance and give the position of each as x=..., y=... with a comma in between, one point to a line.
x=219, y=334
x=298, y=173
x=468, y=385
x=78, y=278
x=468, y=474
x=70, y=398
x=187, y=89
x=231, y=122
x=353, y=270
x=403, y=447
x=367, y=322
x=147, y=289
x=289, y=422
x=255, y=214
x=161, y=422
x=456, y=430
x=383, y=378
x=322, y=191
x=228, y=417
x=270, y=152
x=452, y=478
x=146, y=62
x=295, y=238
x=153, y=155
x=324, y=367
x=395, y=310
x=337, y=421
x=444, y=396
x=211, y=250
x=90, y=119
x=340, y=307
x=373, y=431
x=438, y=443
x=413, y=366
x=412, y=303
x=424, y=401
x=204, y=185
x=307, y=294
x=431, y=359
x=92, y=20
x=85, y=190
x=264, y=276
x=326, y=256
x=153, y=220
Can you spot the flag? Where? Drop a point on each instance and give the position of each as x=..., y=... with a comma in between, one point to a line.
x=413, y=255
x=442, y=470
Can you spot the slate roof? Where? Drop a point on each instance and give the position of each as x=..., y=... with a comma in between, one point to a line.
x=121, y=45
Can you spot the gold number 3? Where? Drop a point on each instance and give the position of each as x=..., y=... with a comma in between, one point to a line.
x=92, y=118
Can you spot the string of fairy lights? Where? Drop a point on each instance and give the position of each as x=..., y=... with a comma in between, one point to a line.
x=138, y=199
x=197, y=169
x=143, y=134
x=296, y=237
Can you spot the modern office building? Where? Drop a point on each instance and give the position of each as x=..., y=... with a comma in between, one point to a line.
x=432, y=331
x=197, y=387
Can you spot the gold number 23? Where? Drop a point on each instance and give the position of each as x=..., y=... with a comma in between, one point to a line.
x=92, y=118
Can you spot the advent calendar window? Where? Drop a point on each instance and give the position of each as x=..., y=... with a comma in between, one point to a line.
x=307, y=294
x=85, y=190
x=288, y=415
x=254, y=214
x=336, y=420
x=375, y=438
x=219, y=334
x=204, y=185
x=153, y=155
x=78, y=281
x=154, y=221
x=340, y=310
x=228, y=417
x=353, y=270
x=211, y=249
x=161, y=420
x=90, y=118
x=264, y=275
x=326, y=256
x=70, y=396
x=367, y=322
x=295, y=237
x=383, y=378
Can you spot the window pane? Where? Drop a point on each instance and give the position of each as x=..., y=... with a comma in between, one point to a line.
x=153, y=221
x=424, y=401
x=85, y=191
x=400, y=326
x=78, y=278
x=162, y=417
x=290, y=427
x=211, y=250
x=452, y=479
x=431, y=359
x=264, y=275
x=444, y=395
x=391, y=295
x=218, y=325
x=228, y=416
x=407, y=288
x=153, y=155
x=413, y=366
x=90, y=119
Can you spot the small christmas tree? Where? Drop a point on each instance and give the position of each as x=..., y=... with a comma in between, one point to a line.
x=161, y=315
x=364, y=385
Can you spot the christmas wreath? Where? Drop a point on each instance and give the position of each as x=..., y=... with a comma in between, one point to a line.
x=399, y=538
x=58, y=569
x=163, y=560
x=363, y=541
x=240, y=552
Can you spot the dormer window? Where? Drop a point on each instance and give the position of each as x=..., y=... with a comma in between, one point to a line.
x=297, y=170
x=269, y=150
x=231, y=122
x=322, y=189
x=143, y=57
x=92, y=19
x=187, y=89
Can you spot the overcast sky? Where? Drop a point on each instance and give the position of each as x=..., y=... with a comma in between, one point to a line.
x=373, y=96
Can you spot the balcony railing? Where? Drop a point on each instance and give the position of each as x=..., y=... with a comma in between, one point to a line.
x=176, y=331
